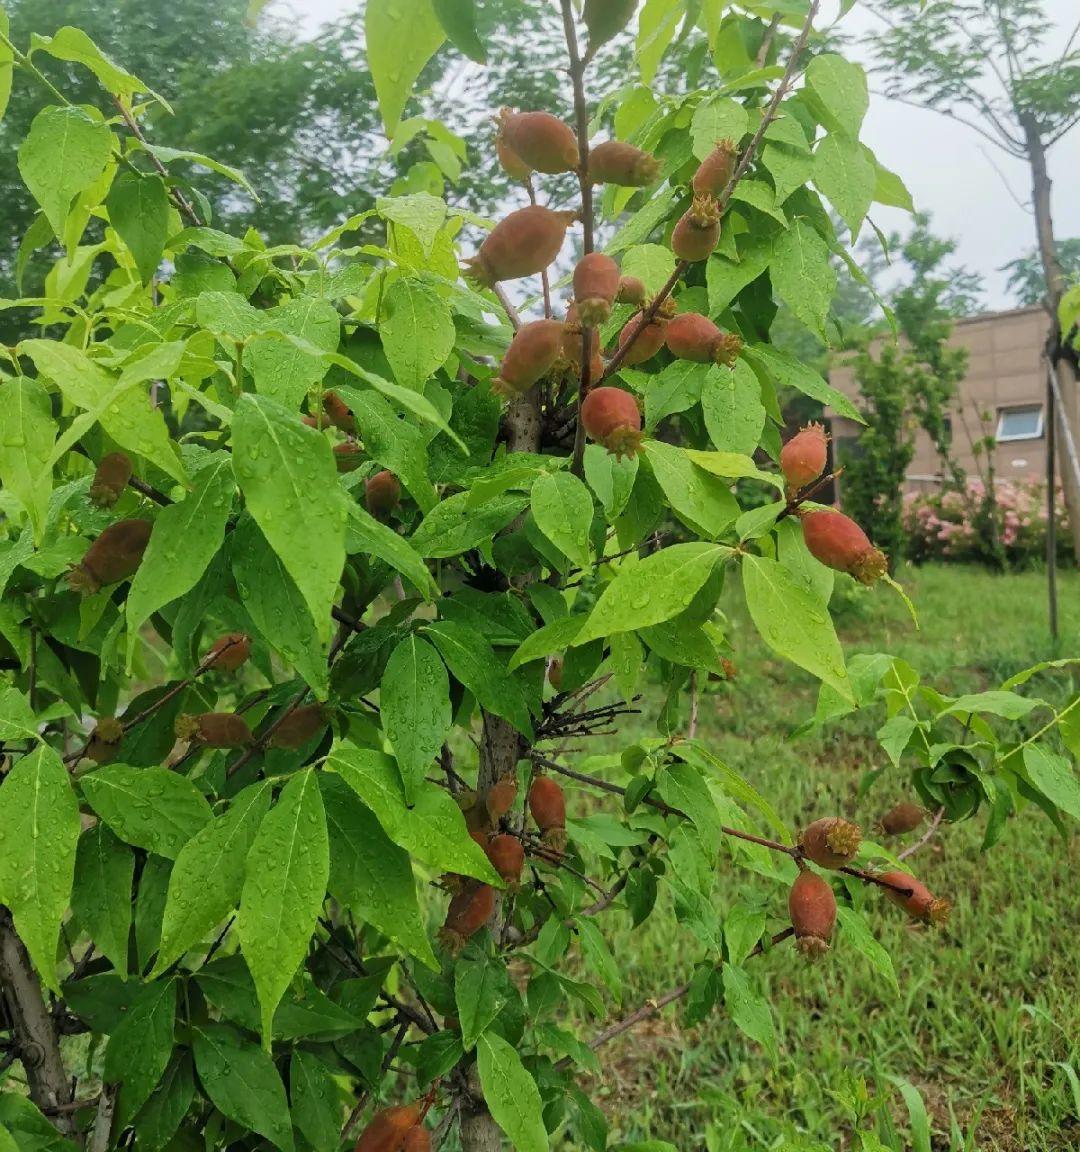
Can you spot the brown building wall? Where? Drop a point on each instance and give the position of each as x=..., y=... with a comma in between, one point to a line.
x=1005, y=375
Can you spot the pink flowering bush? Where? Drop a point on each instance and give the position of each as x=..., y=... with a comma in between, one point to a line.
x=957, y=525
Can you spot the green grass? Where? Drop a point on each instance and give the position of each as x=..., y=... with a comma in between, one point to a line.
x=988, y=1017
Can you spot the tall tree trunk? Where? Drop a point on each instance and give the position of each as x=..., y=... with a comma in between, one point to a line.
x=1069, y=411
x=35, y=1033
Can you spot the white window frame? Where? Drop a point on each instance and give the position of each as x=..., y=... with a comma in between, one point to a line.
x=1037, y=435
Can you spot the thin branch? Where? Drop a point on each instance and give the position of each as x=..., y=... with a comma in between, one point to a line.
x=175, y=194
x=767, y=41
x=512, y=313
x=1009, y=147
x=925, y=838
x=691, y=728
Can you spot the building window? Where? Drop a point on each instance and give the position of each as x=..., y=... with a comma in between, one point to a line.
x=1024, y=423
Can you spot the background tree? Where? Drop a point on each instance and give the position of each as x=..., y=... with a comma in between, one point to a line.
x=1027, y=278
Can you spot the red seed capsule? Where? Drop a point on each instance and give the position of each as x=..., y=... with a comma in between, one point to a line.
x=531, y=356
x=470, y=909
x=697, y=233
x=417, y=1140
x=337, y=412
x=500, y=798
x=715, y=170
x=522, y=244
x=512, y=163
x=905, y=817
x=596, y=283
x=548, y=807
x=540, y=140
x=228, y=652
x=110, y=479
x=388, y=1128
x=507, y=856
x=615, y=162
x=631, y=291
x=105, y=741
x=804, y=456
x=214, y=729
x=348, y=456
x=612, y=418
x=812, y=908
x=114, y=556
x=382, y=494
x=839, y=543
x=605, y=19
x=691, y=336
x=300, y=726
x=831, y=842
x=915, y=898
x=645, y=344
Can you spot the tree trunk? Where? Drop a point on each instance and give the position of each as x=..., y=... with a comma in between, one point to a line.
x=1068, y=414
x=35, y=1034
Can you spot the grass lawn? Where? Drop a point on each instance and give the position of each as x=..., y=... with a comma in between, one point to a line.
x=987, y=1023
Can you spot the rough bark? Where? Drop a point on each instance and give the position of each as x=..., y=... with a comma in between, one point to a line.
x=35, y=1033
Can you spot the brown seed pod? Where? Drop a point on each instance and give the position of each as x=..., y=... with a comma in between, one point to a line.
x=839, y=543
x=804, y=456
x=507, y=856
x=388, y=1128
x=554, y=674
x=228, y=652
x=114, y=556
x=540, y=140
x=382, y=494
x=905, y=817
x=631, y=291
x=548, y=807
x=715, y=170
x=470, y=909
x=831, y=842
x=521, y=244
x=512, y=163
x=417, y=1140
x=104, y=743
x=596, y=283
x=348, y=456
x=110, y=479
x=646, y=344
x=691, y=336
x=915, y=898
x=300, y=726
x=697, y=233
x=605, y=19
x=612, y=418
x=500, y=798
x=214, y=729
x=531, y=356
x=337, y=412
x=812, y=908
x=615, y=162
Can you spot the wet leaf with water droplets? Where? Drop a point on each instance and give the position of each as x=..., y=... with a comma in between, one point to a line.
x=414, y=706
x=138, y=1051
x=101, y=898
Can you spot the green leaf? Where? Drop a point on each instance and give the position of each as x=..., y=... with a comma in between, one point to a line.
x=563, y=510
x=208, y=876
x=414, y=707
x=553, y=637
x=122, y=406
x=1007, y=705
x=7, y=64
x=138, y=209
x=287, y=870
x=170, y=155
x=610, y=478
x=315, y=1099
x=27, y=433
x=101, y=897
x=64, y=152
x=242, y=1082
x=433, y=830
x=715, y=120
x=288, y=361
x=890, y=189
x=458, y=20
x=394, y=443
x=788, y=372
x=151, y=808
x=793, y=622
x=840, y=92
x=17, y=720
x=185, y=539
x=453, y=526
x=683, y=787
x=856, y=932
x=1053, y=776
x=657, y=24
x=844, y=171
x=473, y=663
x=511, y=1094
x=675, y=388
x=160, y=1116
x=138, y=1051
x=417, y=331
x=401, y=37
x=725, y=278
x=273, y=601
x=366, y=534
x=481, y=991
x=748, y=1008
x=790, y=170
x=732, y=407
x=652, y=590
x=698, y=497
x=802, y=275
x=40, y=818
x=369, y=873
x=289, y=480
x=74, y=46
x=423, y=215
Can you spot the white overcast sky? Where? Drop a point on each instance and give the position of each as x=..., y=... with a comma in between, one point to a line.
x=945, y=165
